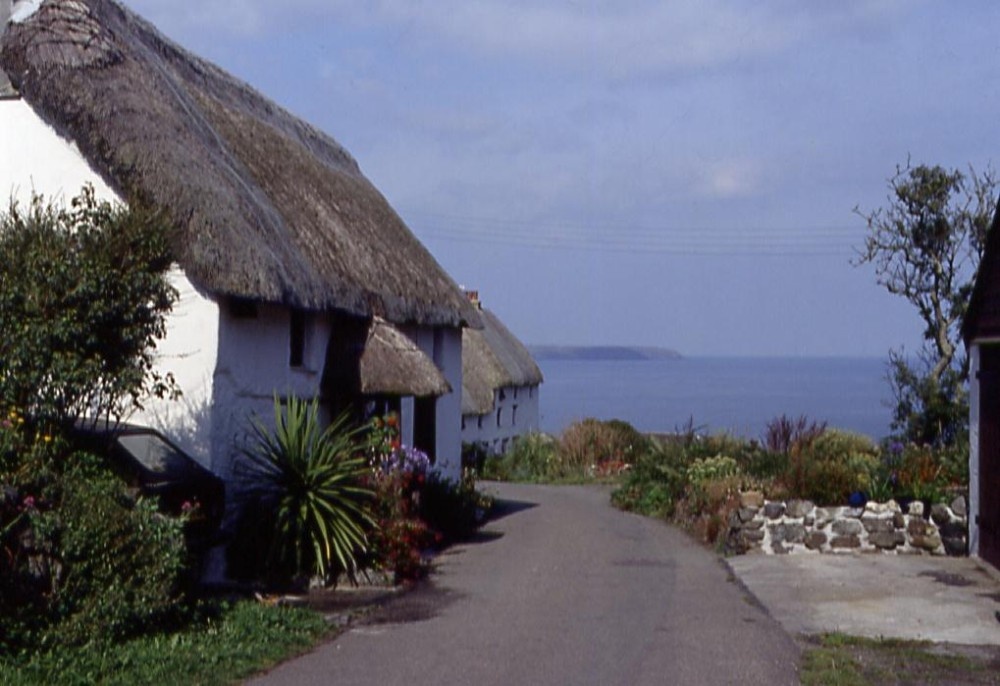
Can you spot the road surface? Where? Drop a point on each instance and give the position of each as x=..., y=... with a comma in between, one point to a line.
x=562, y=589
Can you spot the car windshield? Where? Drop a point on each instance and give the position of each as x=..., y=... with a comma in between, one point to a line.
x=155, y=454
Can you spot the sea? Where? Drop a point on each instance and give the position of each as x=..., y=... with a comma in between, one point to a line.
x=717, y=394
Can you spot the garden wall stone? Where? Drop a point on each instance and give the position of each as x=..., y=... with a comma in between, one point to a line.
x=798, y=526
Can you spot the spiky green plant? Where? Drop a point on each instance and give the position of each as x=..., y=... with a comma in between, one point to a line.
x=309, y=481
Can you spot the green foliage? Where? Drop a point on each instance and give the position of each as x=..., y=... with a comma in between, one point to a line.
x=926, y=245
x=657, y=479
x=452, y=509
x=399, y=536
x=929, y=409
x=709, y=468
x=90, y=563
x=221, y=645
x=830, y=467
x=842, y=660
x=532, y=458
x=307, y=481
x=83, y=299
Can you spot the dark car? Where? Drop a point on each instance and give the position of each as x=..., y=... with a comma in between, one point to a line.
x=151, y=464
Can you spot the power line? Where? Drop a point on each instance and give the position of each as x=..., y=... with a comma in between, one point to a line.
x=817, y=241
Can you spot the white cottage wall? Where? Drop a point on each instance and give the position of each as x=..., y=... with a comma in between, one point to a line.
x=35, y=159
x=189, y=352
x=448, y=358
x=444, y=346
x=515, y=414
x=254, y=364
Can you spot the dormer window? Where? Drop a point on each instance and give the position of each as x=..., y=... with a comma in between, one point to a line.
x=297, y=338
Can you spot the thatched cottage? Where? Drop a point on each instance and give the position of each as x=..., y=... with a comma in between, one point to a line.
x=295, y=275
x=500, y=383
x=981, y=331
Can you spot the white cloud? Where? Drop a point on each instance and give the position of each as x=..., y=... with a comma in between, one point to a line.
x=731, y=178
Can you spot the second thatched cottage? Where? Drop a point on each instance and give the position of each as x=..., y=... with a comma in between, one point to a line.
x=295, y=275
x=500, y=385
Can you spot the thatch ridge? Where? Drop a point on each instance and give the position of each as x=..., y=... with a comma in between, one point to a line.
x=493, y=358
x=264, y=205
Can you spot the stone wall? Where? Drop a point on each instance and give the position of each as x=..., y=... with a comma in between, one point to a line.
x=798, y=526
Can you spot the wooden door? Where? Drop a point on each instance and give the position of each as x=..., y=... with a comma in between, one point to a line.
x=989, y=454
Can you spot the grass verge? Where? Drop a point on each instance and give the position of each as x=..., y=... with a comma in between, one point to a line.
x=225, y=644
x=840, y=660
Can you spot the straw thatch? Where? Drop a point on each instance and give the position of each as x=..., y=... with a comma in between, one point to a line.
x=264, y=205
x=392, y=364
x=493, y=358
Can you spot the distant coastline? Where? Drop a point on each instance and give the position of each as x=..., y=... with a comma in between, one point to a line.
x=601, y=353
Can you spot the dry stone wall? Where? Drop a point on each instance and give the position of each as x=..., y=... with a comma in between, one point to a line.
x=798, y=526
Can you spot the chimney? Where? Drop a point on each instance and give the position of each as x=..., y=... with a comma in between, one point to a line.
x=473, y=297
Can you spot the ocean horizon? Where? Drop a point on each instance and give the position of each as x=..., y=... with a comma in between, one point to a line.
x=739, y=395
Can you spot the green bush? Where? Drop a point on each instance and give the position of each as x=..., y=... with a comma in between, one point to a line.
x=83, y=299
x=657, y=479
x=533, y=458
x=454, y=510
x=93, y=564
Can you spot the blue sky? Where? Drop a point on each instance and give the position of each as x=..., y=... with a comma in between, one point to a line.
x=638, y=172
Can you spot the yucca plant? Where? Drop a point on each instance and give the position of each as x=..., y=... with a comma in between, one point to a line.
x=308, y=482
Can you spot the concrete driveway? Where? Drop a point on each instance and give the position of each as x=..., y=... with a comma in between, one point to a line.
x=944, y=600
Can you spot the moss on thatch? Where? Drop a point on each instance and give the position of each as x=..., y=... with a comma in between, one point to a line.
x=264, y=206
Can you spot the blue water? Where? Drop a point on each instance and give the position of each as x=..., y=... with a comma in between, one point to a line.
x=739, y=395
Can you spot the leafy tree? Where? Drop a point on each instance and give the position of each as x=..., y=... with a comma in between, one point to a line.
x=83, y=300
x=925, y=246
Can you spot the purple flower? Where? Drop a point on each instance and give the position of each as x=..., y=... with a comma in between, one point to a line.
x=896, y=448
x=405, y=459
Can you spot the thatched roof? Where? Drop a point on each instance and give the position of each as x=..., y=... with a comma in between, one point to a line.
x=493, y=358
x=392, y=364
x=264, y=205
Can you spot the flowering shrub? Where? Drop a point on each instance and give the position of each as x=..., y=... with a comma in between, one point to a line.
x=397, y=475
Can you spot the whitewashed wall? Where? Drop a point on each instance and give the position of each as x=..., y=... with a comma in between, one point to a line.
x=515, y=414
x=253, y=365
x=34, y=158
x=444, y=346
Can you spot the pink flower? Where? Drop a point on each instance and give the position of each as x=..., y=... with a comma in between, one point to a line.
x=28, y=503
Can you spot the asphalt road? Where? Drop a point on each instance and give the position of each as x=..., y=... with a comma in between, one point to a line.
x=563, y=589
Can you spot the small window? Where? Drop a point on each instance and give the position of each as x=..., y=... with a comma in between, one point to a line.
x=513, y=416
x=499, y=416
x=463, y=423
x=242, y=308
x=515, y=394
x=479, y=421
x=503, y=396
x=297, y=338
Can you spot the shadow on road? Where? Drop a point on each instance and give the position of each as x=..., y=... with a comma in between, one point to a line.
x=505, y=508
